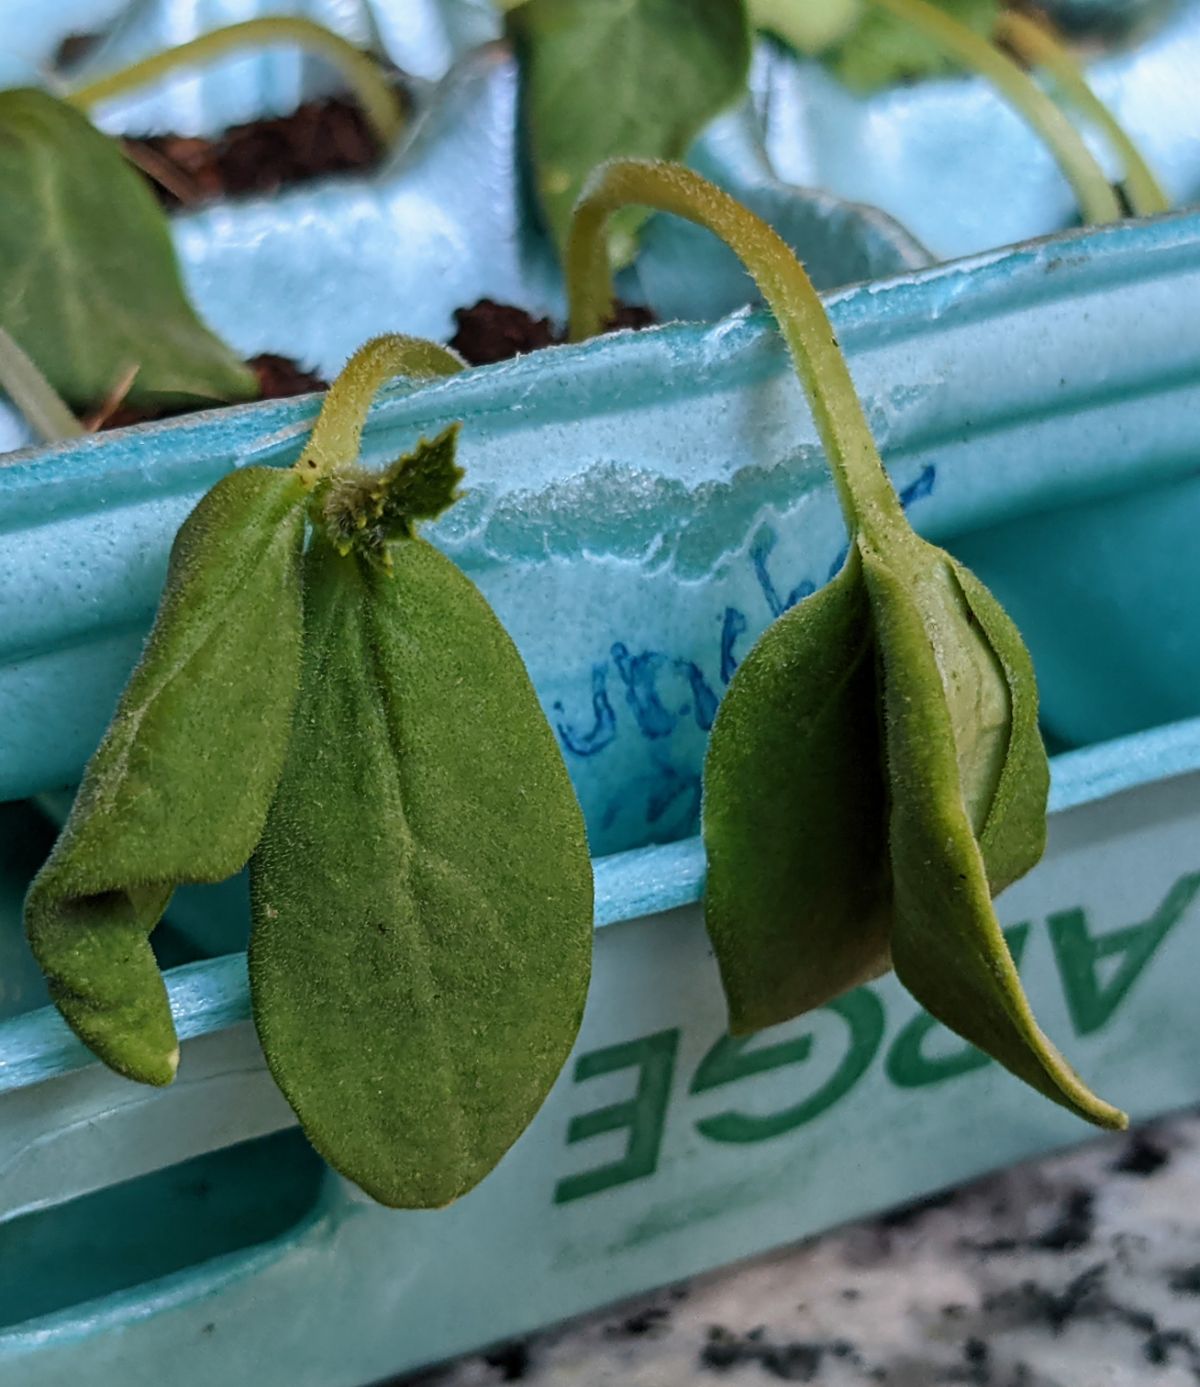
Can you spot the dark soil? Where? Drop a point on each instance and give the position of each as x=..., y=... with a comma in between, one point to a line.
x=263, y=156
x=278, y=378
x=489, y=331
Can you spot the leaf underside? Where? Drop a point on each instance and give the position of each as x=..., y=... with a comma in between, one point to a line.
x=89, y=284
x=422, y=896
x=179, y=787
x=947, y=946
x=796, y=901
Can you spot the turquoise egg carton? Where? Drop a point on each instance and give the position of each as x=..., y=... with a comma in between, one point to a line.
x=639, y=509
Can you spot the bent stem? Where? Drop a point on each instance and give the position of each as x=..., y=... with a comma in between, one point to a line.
x=39, y=402
x=379, y=102
x=1037, y=46
x=336, y=436
x=1097, y=201
x=866, y=494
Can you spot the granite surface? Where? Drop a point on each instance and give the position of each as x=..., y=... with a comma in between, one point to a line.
x=1079, y=1270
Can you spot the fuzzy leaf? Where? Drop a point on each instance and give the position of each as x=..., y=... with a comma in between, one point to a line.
x=422, y=896
x=947, y=945
x=1013, y=837
x=606, y=78
x=178, y=789
x=794, y=813
x=882, y=49
x=89, y=284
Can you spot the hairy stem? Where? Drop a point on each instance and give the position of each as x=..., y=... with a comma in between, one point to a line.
x=379, y=102
x=867, y=496
x=337, y=434
x=1037, y=46
x=33, y=394
x=1097, y=201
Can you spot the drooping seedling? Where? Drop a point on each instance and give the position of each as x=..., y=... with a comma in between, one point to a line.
x=875, y=772
x=352, y=718
x=422, y=894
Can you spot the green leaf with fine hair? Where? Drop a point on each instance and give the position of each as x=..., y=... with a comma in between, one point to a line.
x=883, y=49
x=1013, y=836
x=606, y=78
x=422, y=895
x=798, y=896
x=89, y=284
x=178, y=789
x=833, y=854
x=942, y=679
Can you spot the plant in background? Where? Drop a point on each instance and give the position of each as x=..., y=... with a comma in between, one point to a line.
x=618, y=78
x=90, y=287
x=89, y=284
x=864, y=44
x=875, y=772
x=884, y=41
x=601, y=78
x=352, y=719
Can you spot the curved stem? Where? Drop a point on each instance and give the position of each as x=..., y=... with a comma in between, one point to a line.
x=867, y=496
x=33, y=395
x=1097, y=201
x=337, y=434
x=1037, y=46
x=379, y=102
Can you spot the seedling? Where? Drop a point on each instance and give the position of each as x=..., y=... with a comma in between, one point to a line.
x=875, y=772
x=643, y=78
x=90, y=287
x=877, y=42
x=352, y=719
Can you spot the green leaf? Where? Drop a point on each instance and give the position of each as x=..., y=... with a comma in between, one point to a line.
x=422, y=896
x=796, y=787
x=89, y=285
x=604, y=78
x=808, y=26
x=797, y=901
x=1013, y=837
x=179, y=788
x=832, y=856
x=947, y=945
x=883, y=49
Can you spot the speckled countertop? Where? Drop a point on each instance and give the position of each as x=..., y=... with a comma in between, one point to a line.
x=1079, y=1270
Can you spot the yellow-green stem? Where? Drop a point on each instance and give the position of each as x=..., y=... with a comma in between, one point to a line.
x=337, y=434
x=867, y=496
x=38, y=401
x=379, y=102
x=1037, y=46
x=1097, y=201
